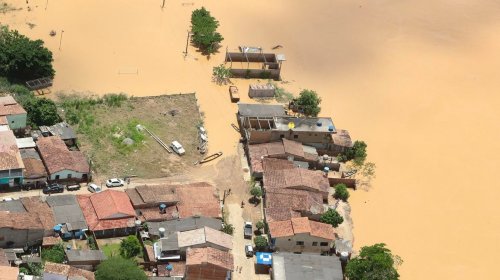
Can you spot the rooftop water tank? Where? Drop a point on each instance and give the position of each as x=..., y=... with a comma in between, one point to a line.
x=163, y=208
x=162, y=232
x=331, y=128
x=318, y=123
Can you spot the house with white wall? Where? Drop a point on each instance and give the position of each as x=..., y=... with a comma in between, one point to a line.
x=11, y=113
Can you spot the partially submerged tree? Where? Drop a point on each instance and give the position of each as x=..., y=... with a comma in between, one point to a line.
x=308, y=102
x=22, y=59
x=374, y=262
x=357, y=153
x=331, y=217
x=221, y=74
x=341, y=192
x=130, y=247
x=119, y=268
x=204, y=30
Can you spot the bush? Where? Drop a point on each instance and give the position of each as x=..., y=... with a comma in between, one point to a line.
x=221, y=74
x=228, y=229
x=41, y=111
x=22, y=59
x=35, y=269
x=373, y=263
x=92, y=243
x=331, y=217
x=309, y=102
x=341, y=192
x=260, y=225
x=260, y=242
x=55, y=254
x=256, y=192
x=130, y=247
x=117, y=268
x=203, y=27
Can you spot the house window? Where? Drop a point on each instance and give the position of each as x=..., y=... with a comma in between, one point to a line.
x=57, y=177
x=323, y=244
x=295, y=136
x=315, y=243
x=69, y=176
x=300, y=243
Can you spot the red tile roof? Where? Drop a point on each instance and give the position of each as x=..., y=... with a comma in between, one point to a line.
x=16, y=220
x=110, y=209
x=270, y=164
x=57, y=157
x=3, y=120
x=280, y=228
x=203, y=256
x=297, y=178
x=153, y=214
x=3, y=258
x=9, y=273
x=297, y=200
x=35, y=205
x=34, y=168
x=301, y=226
x=280, y=214
x=10, y=158
x=293, y=148
x=67, y=270
x=147, y=195
x=342, y=138
x=9, y=106
x=178, y=271
x=198, y=199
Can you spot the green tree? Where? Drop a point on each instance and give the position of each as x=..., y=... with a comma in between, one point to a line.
x=35, y=269
x=228, y=229
x=130, y=247
x=204, y=30
x=260, y=225
x=41, y=111
x=22, y=59
x=341, y=192
x=256, y=192
x=118, y=268
x=374, y=263
x=55, y=254
x=357, y=153
x=221, y=74
x=260, y=242
x=309, y=102
x=331, y=217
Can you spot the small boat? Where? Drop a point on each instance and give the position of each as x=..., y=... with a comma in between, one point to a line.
x=209, y=158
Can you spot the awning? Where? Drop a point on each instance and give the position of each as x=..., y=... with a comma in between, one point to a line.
x=264, y=258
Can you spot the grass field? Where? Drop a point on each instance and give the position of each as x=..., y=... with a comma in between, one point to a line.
x=103, y=123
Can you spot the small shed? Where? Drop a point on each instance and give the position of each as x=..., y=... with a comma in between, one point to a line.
x=25, y=143
x=261, y=91
x=85, y=258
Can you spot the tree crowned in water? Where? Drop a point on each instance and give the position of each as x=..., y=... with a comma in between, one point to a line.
x=374, y=262
x=309, y=102
x=331, y=217
x=204, y=30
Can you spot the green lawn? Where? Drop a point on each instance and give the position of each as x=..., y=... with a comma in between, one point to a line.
x=111, y=250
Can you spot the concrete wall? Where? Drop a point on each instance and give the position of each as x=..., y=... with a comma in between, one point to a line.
x=288, y=244
x=204, y=245
x=19, y=237
x=114, y=232
x=63, y=176
x=17, y=121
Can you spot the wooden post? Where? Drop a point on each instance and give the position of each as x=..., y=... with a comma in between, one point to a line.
x=163, y=5
x=60, y=40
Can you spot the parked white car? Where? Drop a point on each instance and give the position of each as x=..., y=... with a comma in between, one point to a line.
x=7, y=199
x=249, y=250
x=115, y=182
x=177, y=147
x=93, y=188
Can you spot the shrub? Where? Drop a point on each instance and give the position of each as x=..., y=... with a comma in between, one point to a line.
x=341, y=192
x=260, y=225
x=22, y=59
x=331, y=217
x=260, y=242
x=55, y=254
x=228, y=228
x=119, y=268
x=374, y=262
x=256, y=192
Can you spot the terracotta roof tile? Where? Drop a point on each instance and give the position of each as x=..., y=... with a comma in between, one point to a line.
x=9, y=273
x=203, y=256
x=293, y=148
x=57, y=157
x=3, y=258
x=322, y=230
x=301, y=225
x=111, y=204
x=280, y=214
x=50, y=240
x=297, y=178
x=155, y=195
x=10, y=158
x=153, y=214
x=280, y=228
x=9, y=106
x=3, y=120
x=270, y=164
x=116, y=219
x=342, y=138
x=67, y=270
x=34, y=204
x=17, y=220
x=178, y=271
x=218, y=237
x=34, y=168
x=198, y=199
x=297, y=200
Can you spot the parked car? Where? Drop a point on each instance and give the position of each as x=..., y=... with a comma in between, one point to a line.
x=249, y=250
x=115, y=182
x=177, y=147
x=7, y=199
x=53, y=188
x=247, y=230
x=73, y=187
x=93, y=188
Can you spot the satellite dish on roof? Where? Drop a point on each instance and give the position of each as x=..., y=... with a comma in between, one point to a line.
x=291, y=125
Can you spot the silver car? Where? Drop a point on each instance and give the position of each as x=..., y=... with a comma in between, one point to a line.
x=93, y=188
x=115, y=182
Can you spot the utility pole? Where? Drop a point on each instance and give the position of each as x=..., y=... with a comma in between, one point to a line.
x=187, y=43
x=60, y=40
x=163, y=5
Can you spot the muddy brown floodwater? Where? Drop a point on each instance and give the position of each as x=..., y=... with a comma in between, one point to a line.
x=417, y=80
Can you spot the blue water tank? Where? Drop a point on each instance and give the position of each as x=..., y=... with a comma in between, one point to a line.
x=318, y=123
x=331, y=128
